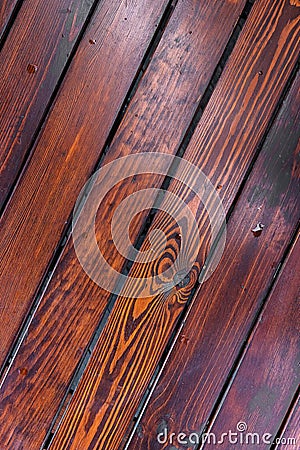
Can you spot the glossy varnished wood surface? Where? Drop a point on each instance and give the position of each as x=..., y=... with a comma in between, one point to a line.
x=230, y=323
x=137, y=330
x=32, y=60
x=255, y=396
x=160, y=112
x=67, y=151
x=226, y=304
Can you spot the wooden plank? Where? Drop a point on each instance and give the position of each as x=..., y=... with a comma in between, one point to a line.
x=166, y=96
x=6, y=9
x=32, y=61
x=71, y=142
x=137, y=330
x=226, y=304
x=269, y=375
x=291, y=430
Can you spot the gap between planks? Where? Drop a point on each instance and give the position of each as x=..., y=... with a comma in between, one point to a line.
x=218, y=50
x=166, y=407
x=182, y=147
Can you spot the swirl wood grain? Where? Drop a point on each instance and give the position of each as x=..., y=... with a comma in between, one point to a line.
x=66, y=152
x=226, y=305
x=137, y=331
x=157, y=118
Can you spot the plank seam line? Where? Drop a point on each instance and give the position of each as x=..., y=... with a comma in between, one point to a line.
x=193, y=125
x=50, y=103
x=68, y=228
x=181, y=320
x=10, y=22
x=242, y=352
x=157, y=35
x=286, y=419
x=148, y=221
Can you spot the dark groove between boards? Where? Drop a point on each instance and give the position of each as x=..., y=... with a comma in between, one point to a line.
x=285, y=421
x=241, y=354
x=194, y=122
x=185, y=312
x=68, y=228
x=48, y=107
x=181, y=150
x=67, y=231
x=10, y=22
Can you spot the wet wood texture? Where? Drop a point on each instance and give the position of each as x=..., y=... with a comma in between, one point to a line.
x=70, y=143
x=149, y=109
x=32, y=61
x=137, y=331
x=254, y=396
x=246, y=142
x=226, y=304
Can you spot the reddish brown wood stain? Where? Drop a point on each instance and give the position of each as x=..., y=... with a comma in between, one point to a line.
x=72, y=140
x=255, y=396
x=6, y=10
x=291, y=429
x=93, y=418
x=162, y=124
x=226, y=304
x=221, y=329
x=40, y=48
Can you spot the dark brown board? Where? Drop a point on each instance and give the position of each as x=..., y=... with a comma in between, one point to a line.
x=269, y=374
x=157, y=118
x=226, y=304
x=291, y=430
x=137, y=331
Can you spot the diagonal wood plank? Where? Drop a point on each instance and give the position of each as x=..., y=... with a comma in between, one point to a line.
x=32, y=60
x=227, y=303
x=67, y=151
x=291, y=431
x=6, y=10
x=264, y=386
x=137, y=331
x=157, y=117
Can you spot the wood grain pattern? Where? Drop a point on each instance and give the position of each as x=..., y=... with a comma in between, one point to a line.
x=264, y=387
x=226, y=304
x=67, y=151
x=157, y=118
x=291, y=430
x=42, y=37
x=137, y=331
x=6, y=10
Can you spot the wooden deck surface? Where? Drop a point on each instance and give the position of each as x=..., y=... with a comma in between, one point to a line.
x=189, y=104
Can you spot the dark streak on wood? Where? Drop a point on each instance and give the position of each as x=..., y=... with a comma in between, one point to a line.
x=264, y=387
x=225, y=306
x=68, y=149
x=6, y=12
x=225, y=141
x=157, y=118
x=291, y=429
x=32, y=61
